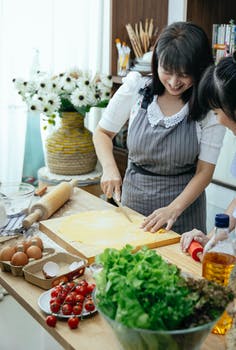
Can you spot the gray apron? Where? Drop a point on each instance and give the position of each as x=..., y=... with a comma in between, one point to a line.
x=161, y=163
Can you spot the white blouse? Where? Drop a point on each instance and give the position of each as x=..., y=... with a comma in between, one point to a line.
x=126, y=102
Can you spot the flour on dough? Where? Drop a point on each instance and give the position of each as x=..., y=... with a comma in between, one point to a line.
x=105, y=228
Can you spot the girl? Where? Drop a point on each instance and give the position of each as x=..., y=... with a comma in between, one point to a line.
x=217, y=91
x=172, y=152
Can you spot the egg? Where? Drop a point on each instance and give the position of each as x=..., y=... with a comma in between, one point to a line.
x=19, y=259
x=34, y=252
x=7, y=253
x=37, y=242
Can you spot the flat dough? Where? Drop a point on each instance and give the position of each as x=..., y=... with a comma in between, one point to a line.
x=105, y=228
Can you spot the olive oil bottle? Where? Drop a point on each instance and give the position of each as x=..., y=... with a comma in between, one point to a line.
x=218, y=262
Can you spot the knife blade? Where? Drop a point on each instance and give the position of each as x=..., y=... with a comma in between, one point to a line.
x=122, y=209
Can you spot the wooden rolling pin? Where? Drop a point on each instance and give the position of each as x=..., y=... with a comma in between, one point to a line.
x=49, y=203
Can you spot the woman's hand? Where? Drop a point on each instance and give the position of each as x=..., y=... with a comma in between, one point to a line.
x=159, y=218
x=189, y=236
x=111, y=183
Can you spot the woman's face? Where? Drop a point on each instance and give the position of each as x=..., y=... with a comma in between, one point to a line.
x=174, y=83
x=224, y=120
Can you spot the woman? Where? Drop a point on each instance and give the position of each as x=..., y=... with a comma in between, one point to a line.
x=217, y=91
x=172, y=154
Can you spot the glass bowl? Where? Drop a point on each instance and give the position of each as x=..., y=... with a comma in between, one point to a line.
x=143, y=339
x=16, y=197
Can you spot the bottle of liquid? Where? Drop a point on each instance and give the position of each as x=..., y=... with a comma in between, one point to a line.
x=218, y=261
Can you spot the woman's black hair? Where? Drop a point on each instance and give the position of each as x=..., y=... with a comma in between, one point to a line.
x=182, y=47
x=217, y=88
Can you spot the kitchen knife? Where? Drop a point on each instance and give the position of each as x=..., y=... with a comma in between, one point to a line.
x=122, y=209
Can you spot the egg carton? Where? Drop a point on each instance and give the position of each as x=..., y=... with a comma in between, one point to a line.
x=70, y=267
x=6, y=266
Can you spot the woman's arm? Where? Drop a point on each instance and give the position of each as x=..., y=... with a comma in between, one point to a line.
x=168, y=215
x=111, y=178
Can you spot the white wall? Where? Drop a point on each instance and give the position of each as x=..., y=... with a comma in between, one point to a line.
x=177, y=10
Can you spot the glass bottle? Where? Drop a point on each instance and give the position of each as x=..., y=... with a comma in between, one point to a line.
x=218, y=261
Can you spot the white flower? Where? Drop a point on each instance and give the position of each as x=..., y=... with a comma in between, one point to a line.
x=35, y=105
x=67, y=83
x=74, y=90
x=106, y=80
x=24, y=87
x=105, y=94
x=53, y=99
x=80, y=97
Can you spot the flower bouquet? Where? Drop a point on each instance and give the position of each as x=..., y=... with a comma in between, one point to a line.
x=151, y=305
x=72, y=91
x=69, y=95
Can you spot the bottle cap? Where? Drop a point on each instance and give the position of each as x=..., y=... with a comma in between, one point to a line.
x=222, y=220
x=194, y=249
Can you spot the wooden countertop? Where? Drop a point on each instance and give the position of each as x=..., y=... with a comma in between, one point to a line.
x=94, y=332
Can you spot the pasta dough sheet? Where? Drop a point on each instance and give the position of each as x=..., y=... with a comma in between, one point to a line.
x=106, y=228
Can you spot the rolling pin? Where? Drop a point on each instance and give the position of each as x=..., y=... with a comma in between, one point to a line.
x=50, y=203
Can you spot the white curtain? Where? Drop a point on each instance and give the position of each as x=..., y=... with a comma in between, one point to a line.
x=67, y=34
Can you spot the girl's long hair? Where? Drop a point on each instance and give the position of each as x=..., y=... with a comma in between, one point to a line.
x=217, y=88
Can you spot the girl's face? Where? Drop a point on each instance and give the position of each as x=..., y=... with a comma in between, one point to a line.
x=174, y=83
x=224, y=120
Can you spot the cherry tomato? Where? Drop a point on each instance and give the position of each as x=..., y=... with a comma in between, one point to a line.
x=79, y=298
x=62, y=295
x=77, y=309
x=51, y=320
x=67, y=309
x=81, y=289
x=83, y=283
x=52, y=300
x=90, y=287
x=70, y=299
x=73, y=322
x=54, y=292
x=89, y=305
x=55, y=307
x=69, y=286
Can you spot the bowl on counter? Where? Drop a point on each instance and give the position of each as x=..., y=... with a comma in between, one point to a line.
x=16, y=197
x=144, y=339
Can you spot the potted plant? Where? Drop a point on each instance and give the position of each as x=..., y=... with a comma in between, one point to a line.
x=69, y=95
x=151, y=305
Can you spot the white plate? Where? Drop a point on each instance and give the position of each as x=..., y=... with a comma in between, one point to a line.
x=44, y=304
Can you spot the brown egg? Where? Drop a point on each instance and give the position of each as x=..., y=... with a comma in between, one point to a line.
x=19, y=259
x=27, y=244
x=34, y=252
x=37, y=242
x=7, y=253
x=20, y=247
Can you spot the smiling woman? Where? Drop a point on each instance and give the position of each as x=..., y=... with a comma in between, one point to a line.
x=21, y=31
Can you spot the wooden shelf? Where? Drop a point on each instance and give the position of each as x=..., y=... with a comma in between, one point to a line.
x=205, y=13
x=133, y=11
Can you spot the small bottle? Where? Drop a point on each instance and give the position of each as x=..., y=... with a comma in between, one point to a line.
x=218, y=261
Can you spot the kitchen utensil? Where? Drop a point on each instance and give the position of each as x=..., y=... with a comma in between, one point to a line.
x=122, y=209
x=48, y=204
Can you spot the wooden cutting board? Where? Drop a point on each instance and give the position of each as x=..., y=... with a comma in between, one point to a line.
x=88, y=233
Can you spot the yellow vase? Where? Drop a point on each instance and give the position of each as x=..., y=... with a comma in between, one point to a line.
x=70, y=149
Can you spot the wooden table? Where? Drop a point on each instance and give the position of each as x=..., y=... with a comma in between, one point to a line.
x=93, y=333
